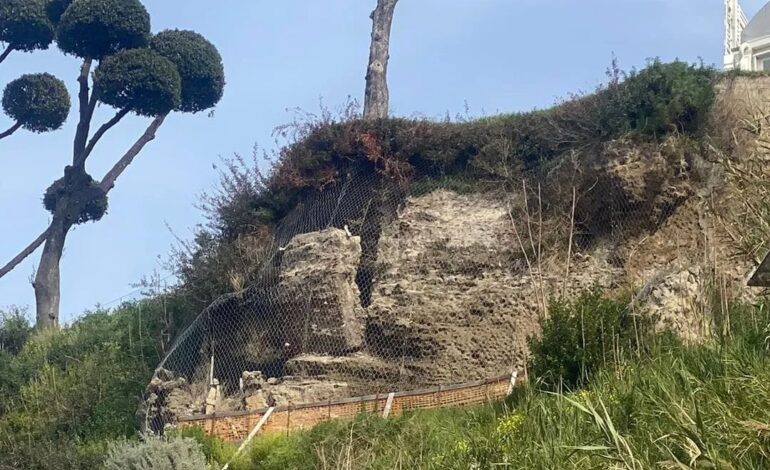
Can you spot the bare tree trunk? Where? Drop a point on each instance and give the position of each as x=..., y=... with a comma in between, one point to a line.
x=376, y=94
x=47, y=293
x=47, y=285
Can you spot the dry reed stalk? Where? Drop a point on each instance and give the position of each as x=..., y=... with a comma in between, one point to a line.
x=569, y=246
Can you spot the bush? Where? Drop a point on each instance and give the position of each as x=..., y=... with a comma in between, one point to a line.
x=671, y=97
x=156, y=454
x=217, y=451
x=15, y=330
x=579, y=337
x=70, y=389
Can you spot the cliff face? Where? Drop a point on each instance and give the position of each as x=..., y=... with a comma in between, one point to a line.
x=450, y=285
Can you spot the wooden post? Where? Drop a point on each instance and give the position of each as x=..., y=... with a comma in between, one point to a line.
x=251, y=435
x=511, y=386
x=388, y=405
x=288, y=418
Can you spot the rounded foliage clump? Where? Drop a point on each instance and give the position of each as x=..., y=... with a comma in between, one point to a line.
x=24, y=24
x=669, y=97
x=98, y=28
x=83, y=198
x=56, y=9
x=40, y=102
x=140, y=80
x=200, y=67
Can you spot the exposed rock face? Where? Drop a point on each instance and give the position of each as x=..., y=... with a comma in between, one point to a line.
x=168, y=398
x=365, y=374
x=455, y=301
x=259, y=393
x=455, y=298
x=318, y=295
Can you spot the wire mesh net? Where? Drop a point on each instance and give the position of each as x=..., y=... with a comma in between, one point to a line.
x=373, y=286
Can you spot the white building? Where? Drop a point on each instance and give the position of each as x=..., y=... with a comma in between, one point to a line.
x=747, y=43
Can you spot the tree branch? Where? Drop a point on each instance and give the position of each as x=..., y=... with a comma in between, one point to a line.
x=10, y=131
x=86, y=111
x=101, y=131
x=108, y=182
x=6, y=52
x=24, y=253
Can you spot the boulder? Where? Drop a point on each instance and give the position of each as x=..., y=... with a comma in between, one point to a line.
x=318, y=299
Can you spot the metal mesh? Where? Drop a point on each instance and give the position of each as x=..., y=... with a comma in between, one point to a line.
x=374, y=287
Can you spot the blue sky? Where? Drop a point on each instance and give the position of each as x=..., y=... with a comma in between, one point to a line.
x=494, y=55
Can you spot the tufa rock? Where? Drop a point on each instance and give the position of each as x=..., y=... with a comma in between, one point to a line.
x=318, y=297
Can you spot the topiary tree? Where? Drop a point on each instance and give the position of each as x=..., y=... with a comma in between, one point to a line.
x=39, y=102
x=174, y=71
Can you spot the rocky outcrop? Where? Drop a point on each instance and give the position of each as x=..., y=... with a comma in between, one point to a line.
x=259, y=393
x=673, y=299
x=318, y=298
x=455, y=300
x=168, y=397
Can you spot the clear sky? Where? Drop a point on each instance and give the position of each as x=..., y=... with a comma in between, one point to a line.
x=494, y=55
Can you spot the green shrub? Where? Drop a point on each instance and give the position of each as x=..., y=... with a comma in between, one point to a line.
x=156, y=454
x=671, y=97
x=69, y=390
x=15, y=330
x=62, y=453
x=217, y=451
x=579, y=337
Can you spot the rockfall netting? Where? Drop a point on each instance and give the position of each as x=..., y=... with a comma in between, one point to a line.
x=374, y=286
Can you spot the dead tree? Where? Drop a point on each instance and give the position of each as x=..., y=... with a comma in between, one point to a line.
x=376, y=94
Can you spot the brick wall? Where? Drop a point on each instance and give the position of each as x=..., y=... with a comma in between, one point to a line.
x=236, y=426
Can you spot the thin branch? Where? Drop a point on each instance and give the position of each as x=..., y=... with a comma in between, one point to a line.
x=540, y=246
x=569, y=247
x=24, y=253
x=100, y=132
x=108, y=182
x=81, y=135
x=10, y=131
x=535, y=251
x=6, y=52
x=531, y=270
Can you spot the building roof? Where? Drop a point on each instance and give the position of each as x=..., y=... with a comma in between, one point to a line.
x=759, y=26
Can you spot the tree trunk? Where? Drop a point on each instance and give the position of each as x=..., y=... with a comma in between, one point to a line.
x=47, y=292
x=376, y=94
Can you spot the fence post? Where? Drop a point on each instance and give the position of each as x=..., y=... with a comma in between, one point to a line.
x=388, y=405
x=288, y=418
x=251, y=435
x=514, y=375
